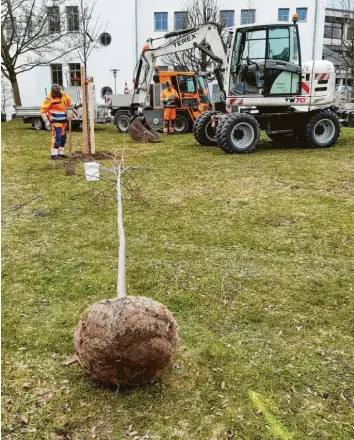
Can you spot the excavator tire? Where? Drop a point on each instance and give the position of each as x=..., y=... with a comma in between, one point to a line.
x=203, y=132
x=239, y=133
x=322, y=130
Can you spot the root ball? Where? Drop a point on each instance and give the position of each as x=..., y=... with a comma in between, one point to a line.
x=126, y=341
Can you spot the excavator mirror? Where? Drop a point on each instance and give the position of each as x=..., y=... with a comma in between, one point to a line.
x=229, y=40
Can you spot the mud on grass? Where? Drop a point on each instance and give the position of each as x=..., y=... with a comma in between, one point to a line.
x=252, y=254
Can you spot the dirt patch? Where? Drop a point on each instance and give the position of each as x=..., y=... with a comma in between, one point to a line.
x=78, y=156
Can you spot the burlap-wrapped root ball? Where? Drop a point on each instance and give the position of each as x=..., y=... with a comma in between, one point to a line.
x=126, y=341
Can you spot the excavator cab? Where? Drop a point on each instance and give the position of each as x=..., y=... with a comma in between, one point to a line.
x=265, y=60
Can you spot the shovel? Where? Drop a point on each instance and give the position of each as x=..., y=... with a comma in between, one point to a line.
x=70, y=166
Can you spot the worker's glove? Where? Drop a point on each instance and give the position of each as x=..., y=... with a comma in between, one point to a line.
x=76, y=106
x=48, y=125
x=165, y=100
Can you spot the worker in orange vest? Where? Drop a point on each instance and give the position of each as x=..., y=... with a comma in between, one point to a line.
x=168, y=97
x=54, y=114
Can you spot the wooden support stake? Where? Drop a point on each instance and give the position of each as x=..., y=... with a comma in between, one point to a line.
x=85, y=145
x=91, y=113
x=70, y=138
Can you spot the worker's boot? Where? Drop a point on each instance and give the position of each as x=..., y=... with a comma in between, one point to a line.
x=165, y=127
x=172, y=126
x=54, y=153
x=61, y=154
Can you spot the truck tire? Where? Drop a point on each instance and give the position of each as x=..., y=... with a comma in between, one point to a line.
x=239, y=133
x=181, y=124
x=351, y=120
x=122, y=122
x=203, y=132
x=322, y=129
x=38, y=124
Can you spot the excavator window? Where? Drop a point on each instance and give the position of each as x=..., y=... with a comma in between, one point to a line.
x=265, y=61
x=255, y=47
x=279, y=44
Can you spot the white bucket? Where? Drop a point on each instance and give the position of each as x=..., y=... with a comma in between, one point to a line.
x=92, y=171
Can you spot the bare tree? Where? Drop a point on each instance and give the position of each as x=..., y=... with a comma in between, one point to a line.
x=6, y=94
x=87, y=39
x=197, y=13
x=32, y=34
x=347, y=51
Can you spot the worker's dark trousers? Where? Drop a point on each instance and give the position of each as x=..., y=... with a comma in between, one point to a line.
x=58, y=139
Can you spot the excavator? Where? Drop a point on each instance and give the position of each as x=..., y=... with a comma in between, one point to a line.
x=264, y=85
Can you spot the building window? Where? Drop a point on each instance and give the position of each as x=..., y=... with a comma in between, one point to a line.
x=283, y=14
x=248, y=16
x=334, y=31
x=75, y=74
x=161, y=19
x=72, y=18
x=105, y=39
x=302, y=13
x=53, y=19
x=181, y=20
x=106, y=90
x=57, y=74
x=227, y=18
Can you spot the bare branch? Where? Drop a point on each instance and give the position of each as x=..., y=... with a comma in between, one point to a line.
x=198, y=12
x=29, y=40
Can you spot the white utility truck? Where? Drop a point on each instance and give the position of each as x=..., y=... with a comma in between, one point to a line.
x=32, y=115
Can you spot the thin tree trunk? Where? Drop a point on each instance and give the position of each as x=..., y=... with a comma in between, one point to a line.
x=15, y=88
x=121, y=293
x=85, y=149
x=87, y=111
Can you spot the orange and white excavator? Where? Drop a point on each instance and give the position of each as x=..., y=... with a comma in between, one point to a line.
x=264, y=85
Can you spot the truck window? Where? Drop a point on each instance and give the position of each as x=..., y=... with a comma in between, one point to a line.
x=186, y=84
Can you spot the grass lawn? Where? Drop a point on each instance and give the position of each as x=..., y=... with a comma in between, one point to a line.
x=253, y=255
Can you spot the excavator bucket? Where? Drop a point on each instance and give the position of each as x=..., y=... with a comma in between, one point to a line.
x=141, y=132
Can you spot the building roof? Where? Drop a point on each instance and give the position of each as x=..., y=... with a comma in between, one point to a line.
x=339, y=13
x=334, y=57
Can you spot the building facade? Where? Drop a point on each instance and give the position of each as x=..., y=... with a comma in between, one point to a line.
x=126, y=25
x=336, y=39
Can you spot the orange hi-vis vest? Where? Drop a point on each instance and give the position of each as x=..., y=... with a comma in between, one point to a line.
x=55, y=108
x=165, y=94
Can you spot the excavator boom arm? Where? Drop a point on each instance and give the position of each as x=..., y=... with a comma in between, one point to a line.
x=206, y=38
